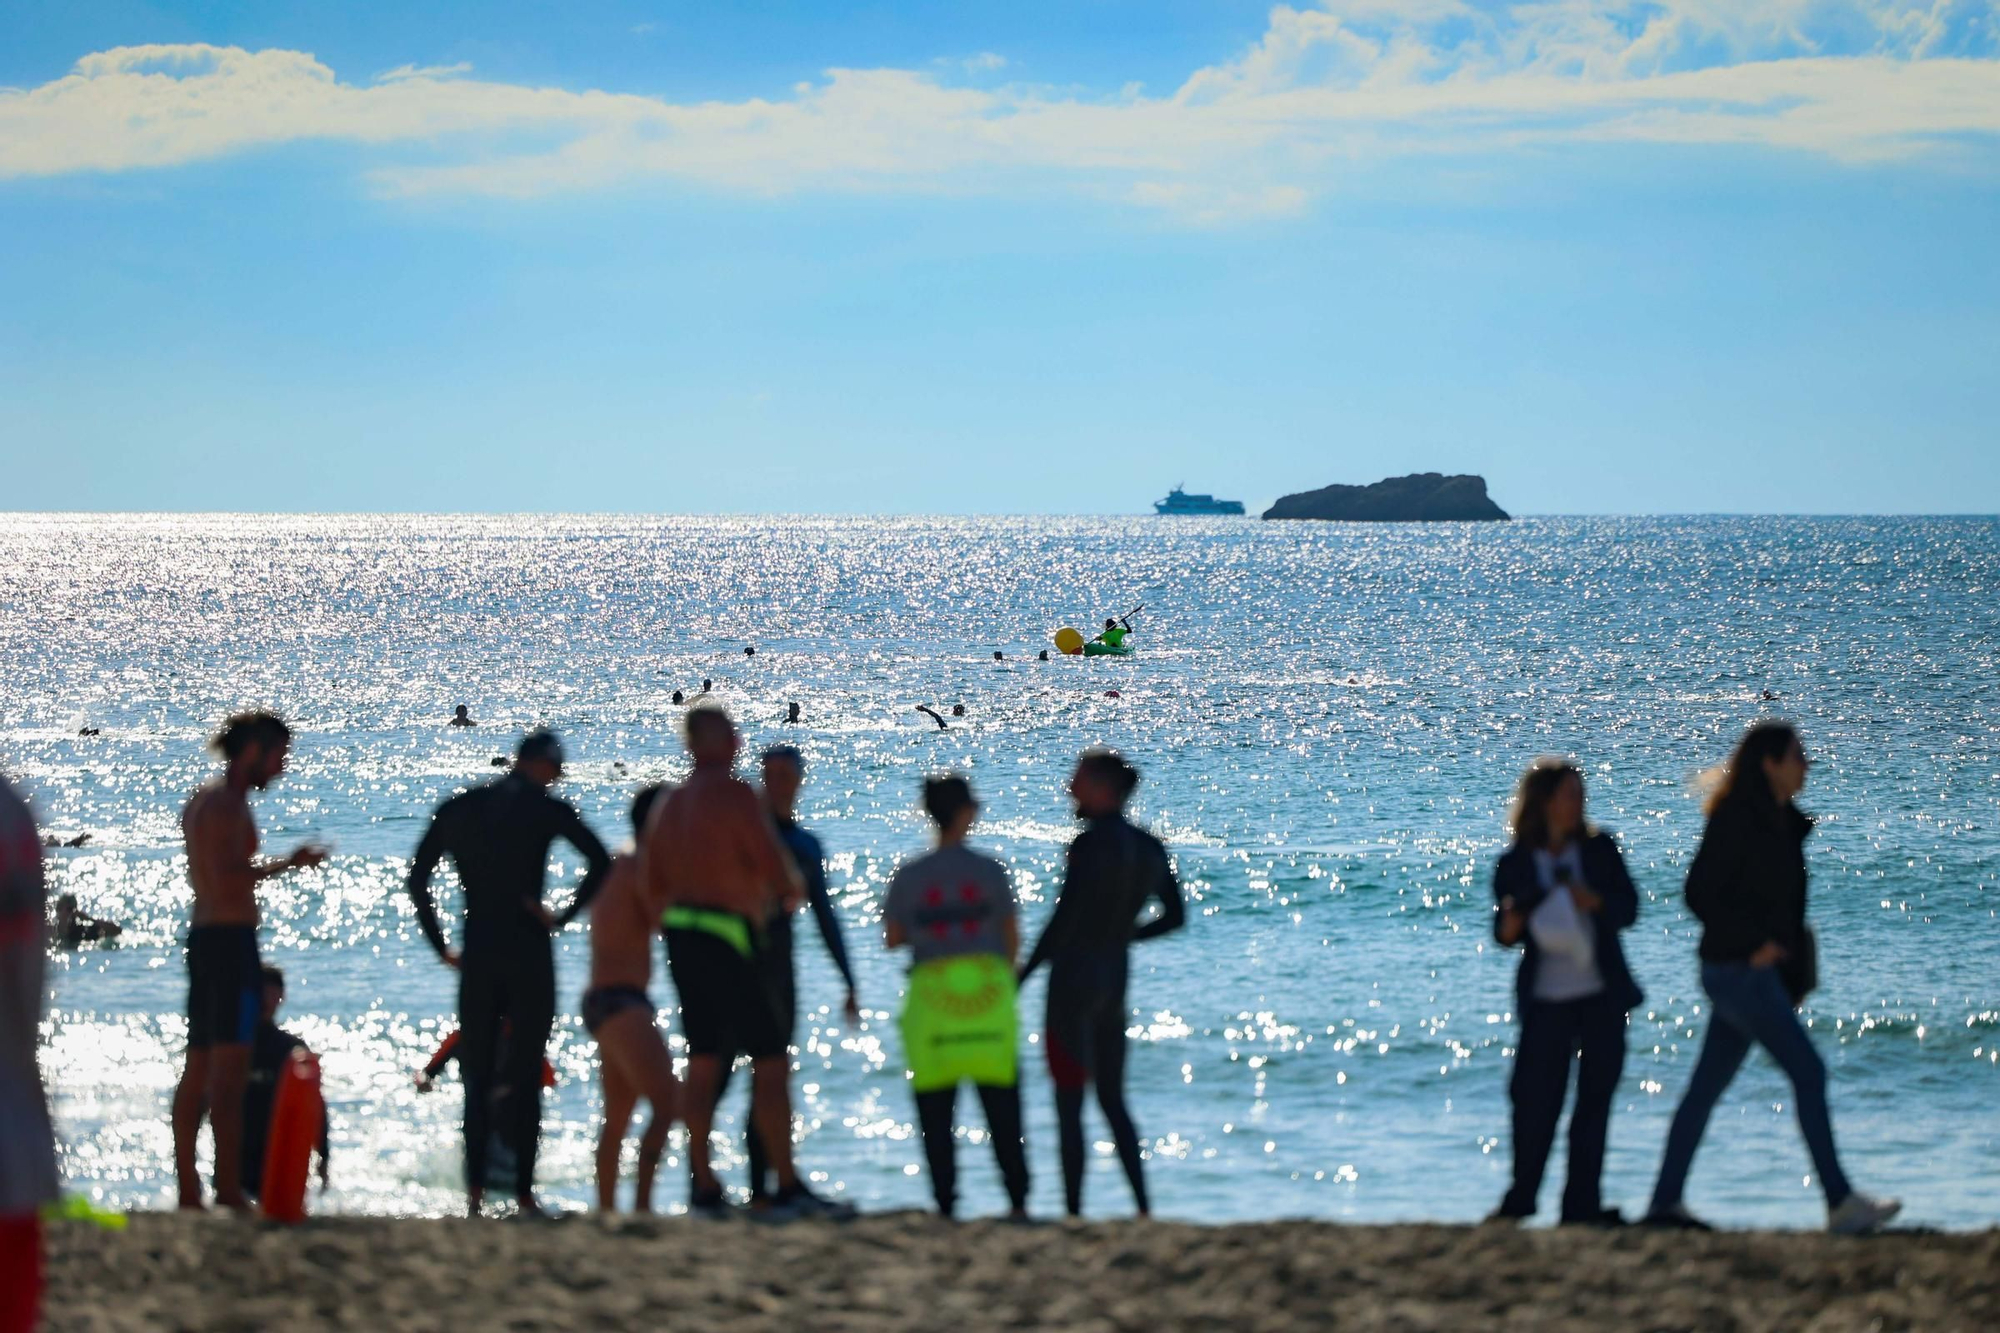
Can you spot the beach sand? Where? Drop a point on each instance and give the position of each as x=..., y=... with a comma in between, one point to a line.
x=906, y=1271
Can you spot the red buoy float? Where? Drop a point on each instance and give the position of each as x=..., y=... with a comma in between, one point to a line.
x=296, y=1114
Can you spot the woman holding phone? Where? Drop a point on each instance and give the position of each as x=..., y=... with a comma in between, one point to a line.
x=1563, y=894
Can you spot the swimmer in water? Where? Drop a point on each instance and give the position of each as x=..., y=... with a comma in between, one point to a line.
x=225, y=975
x=461, y=718
x=934, y=716
x=74, y=928
x=679, y=698
x=792, y=713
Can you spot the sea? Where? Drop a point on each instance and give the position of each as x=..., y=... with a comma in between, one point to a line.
x=1329, y=718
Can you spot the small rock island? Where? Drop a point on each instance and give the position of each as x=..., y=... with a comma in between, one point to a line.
x=1422, y=497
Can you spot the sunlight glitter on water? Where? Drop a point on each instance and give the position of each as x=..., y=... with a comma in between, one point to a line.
x=1329, y=718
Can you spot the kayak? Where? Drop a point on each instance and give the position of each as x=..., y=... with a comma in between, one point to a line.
x=1096, y=649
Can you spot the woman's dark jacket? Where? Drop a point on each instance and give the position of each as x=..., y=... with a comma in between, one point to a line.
x=1604, y=874
x=1748, y=880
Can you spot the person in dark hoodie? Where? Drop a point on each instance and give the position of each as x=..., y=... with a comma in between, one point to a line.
x=1562, y=894
x=1758, y=961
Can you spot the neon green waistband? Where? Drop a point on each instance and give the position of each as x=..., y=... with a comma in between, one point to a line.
x=728, y=927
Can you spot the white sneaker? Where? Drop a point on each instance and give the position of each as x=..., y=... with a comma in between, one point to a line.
x=1858, y=1214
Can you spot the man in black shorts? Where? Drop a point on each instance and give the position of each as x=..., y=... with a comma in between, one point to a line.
x=225, y=977
x=714, y=871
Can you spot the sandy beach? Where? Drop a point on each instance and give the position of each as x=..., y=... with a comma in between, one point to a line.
x=908, y=1271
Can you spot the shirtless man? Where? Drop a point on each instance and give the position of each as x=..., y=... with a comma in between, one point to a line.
x=619, y=1014
x=225, y=976
x=713, y=873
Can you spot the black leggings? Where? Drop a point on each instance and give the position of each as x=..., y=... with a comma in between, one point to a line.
x=1003, y=1126
x=514, y=982
x=1086, y=1046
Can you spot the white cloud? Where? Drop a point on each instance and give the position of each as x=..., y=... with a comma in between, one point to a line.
x=1854, y=80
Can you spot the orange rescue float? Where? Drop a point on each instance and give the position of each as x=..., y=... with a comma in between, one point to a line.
x=295, y=1126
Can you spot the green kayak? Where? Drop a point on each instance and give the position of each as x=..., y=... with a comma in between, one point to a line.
x=1096, y=649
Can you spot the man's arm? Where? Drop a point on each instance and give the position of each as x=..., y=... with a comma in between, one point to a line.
x=822, y=909
x=429, y=852
x=577, y=833
x=1058, y=928
x=1167, y=888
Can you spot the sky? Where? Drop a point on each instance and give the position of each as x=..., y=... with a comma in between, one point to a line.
x=1617, y=256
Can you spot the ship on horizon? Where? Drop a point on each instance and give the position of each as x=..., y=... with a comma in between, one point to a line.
x=1178, y=501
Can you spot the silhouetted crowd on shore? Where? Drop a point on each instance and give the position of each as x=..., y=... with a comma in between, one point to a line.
x=719, y=868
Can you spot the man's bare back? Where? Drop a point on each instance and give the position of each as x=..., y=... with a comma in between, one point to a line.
x=221, y=849
x=711, y=844
x=621, y=929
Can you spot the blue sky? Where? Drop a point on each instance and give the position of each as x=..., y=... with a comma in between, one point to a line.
x=1681, y=255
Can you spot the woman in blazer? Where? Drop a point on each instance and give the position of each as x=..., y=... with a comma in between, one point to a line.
x=1562, y=894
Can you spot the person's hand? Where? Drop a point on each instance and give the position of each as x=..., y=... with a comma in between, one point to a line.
x=1770, y=955
x=853, y=1008
x=1585, y=898
x=453, y=959
x=424, y=1083
x=306, y=857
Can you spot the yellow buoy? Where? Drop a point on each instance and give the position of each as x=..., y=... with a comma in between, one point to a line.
x=1069, y=641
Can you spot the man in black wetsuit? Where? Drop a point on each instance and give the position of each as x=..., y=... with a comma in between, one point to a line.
x=498, y=836
x=1113, y=870
x=784, y=771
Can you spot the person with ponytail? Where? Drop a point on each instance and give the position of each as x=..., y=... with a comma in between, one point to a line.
x=1562, y=894
x=1747, y=885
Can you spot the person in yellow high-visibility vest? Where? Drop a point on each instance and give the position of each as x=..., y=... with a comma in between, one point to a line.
x=954, y=910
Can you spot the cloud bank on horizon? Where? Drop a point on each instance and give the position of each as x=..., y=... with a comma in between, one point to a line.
x=1260, y=134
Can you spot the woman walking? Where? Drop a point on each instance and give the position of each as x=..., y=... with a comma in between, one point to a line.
x=1758, y=961
x=1563, y=895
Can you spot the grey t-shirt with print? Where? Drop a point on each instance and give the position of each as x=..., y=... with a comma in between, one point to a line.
x=952, y=901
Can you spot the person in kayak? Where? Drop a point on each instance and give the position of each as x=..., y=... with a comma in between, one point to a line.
x=954, y=910
x=1115, y=632
x=1113, y=870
